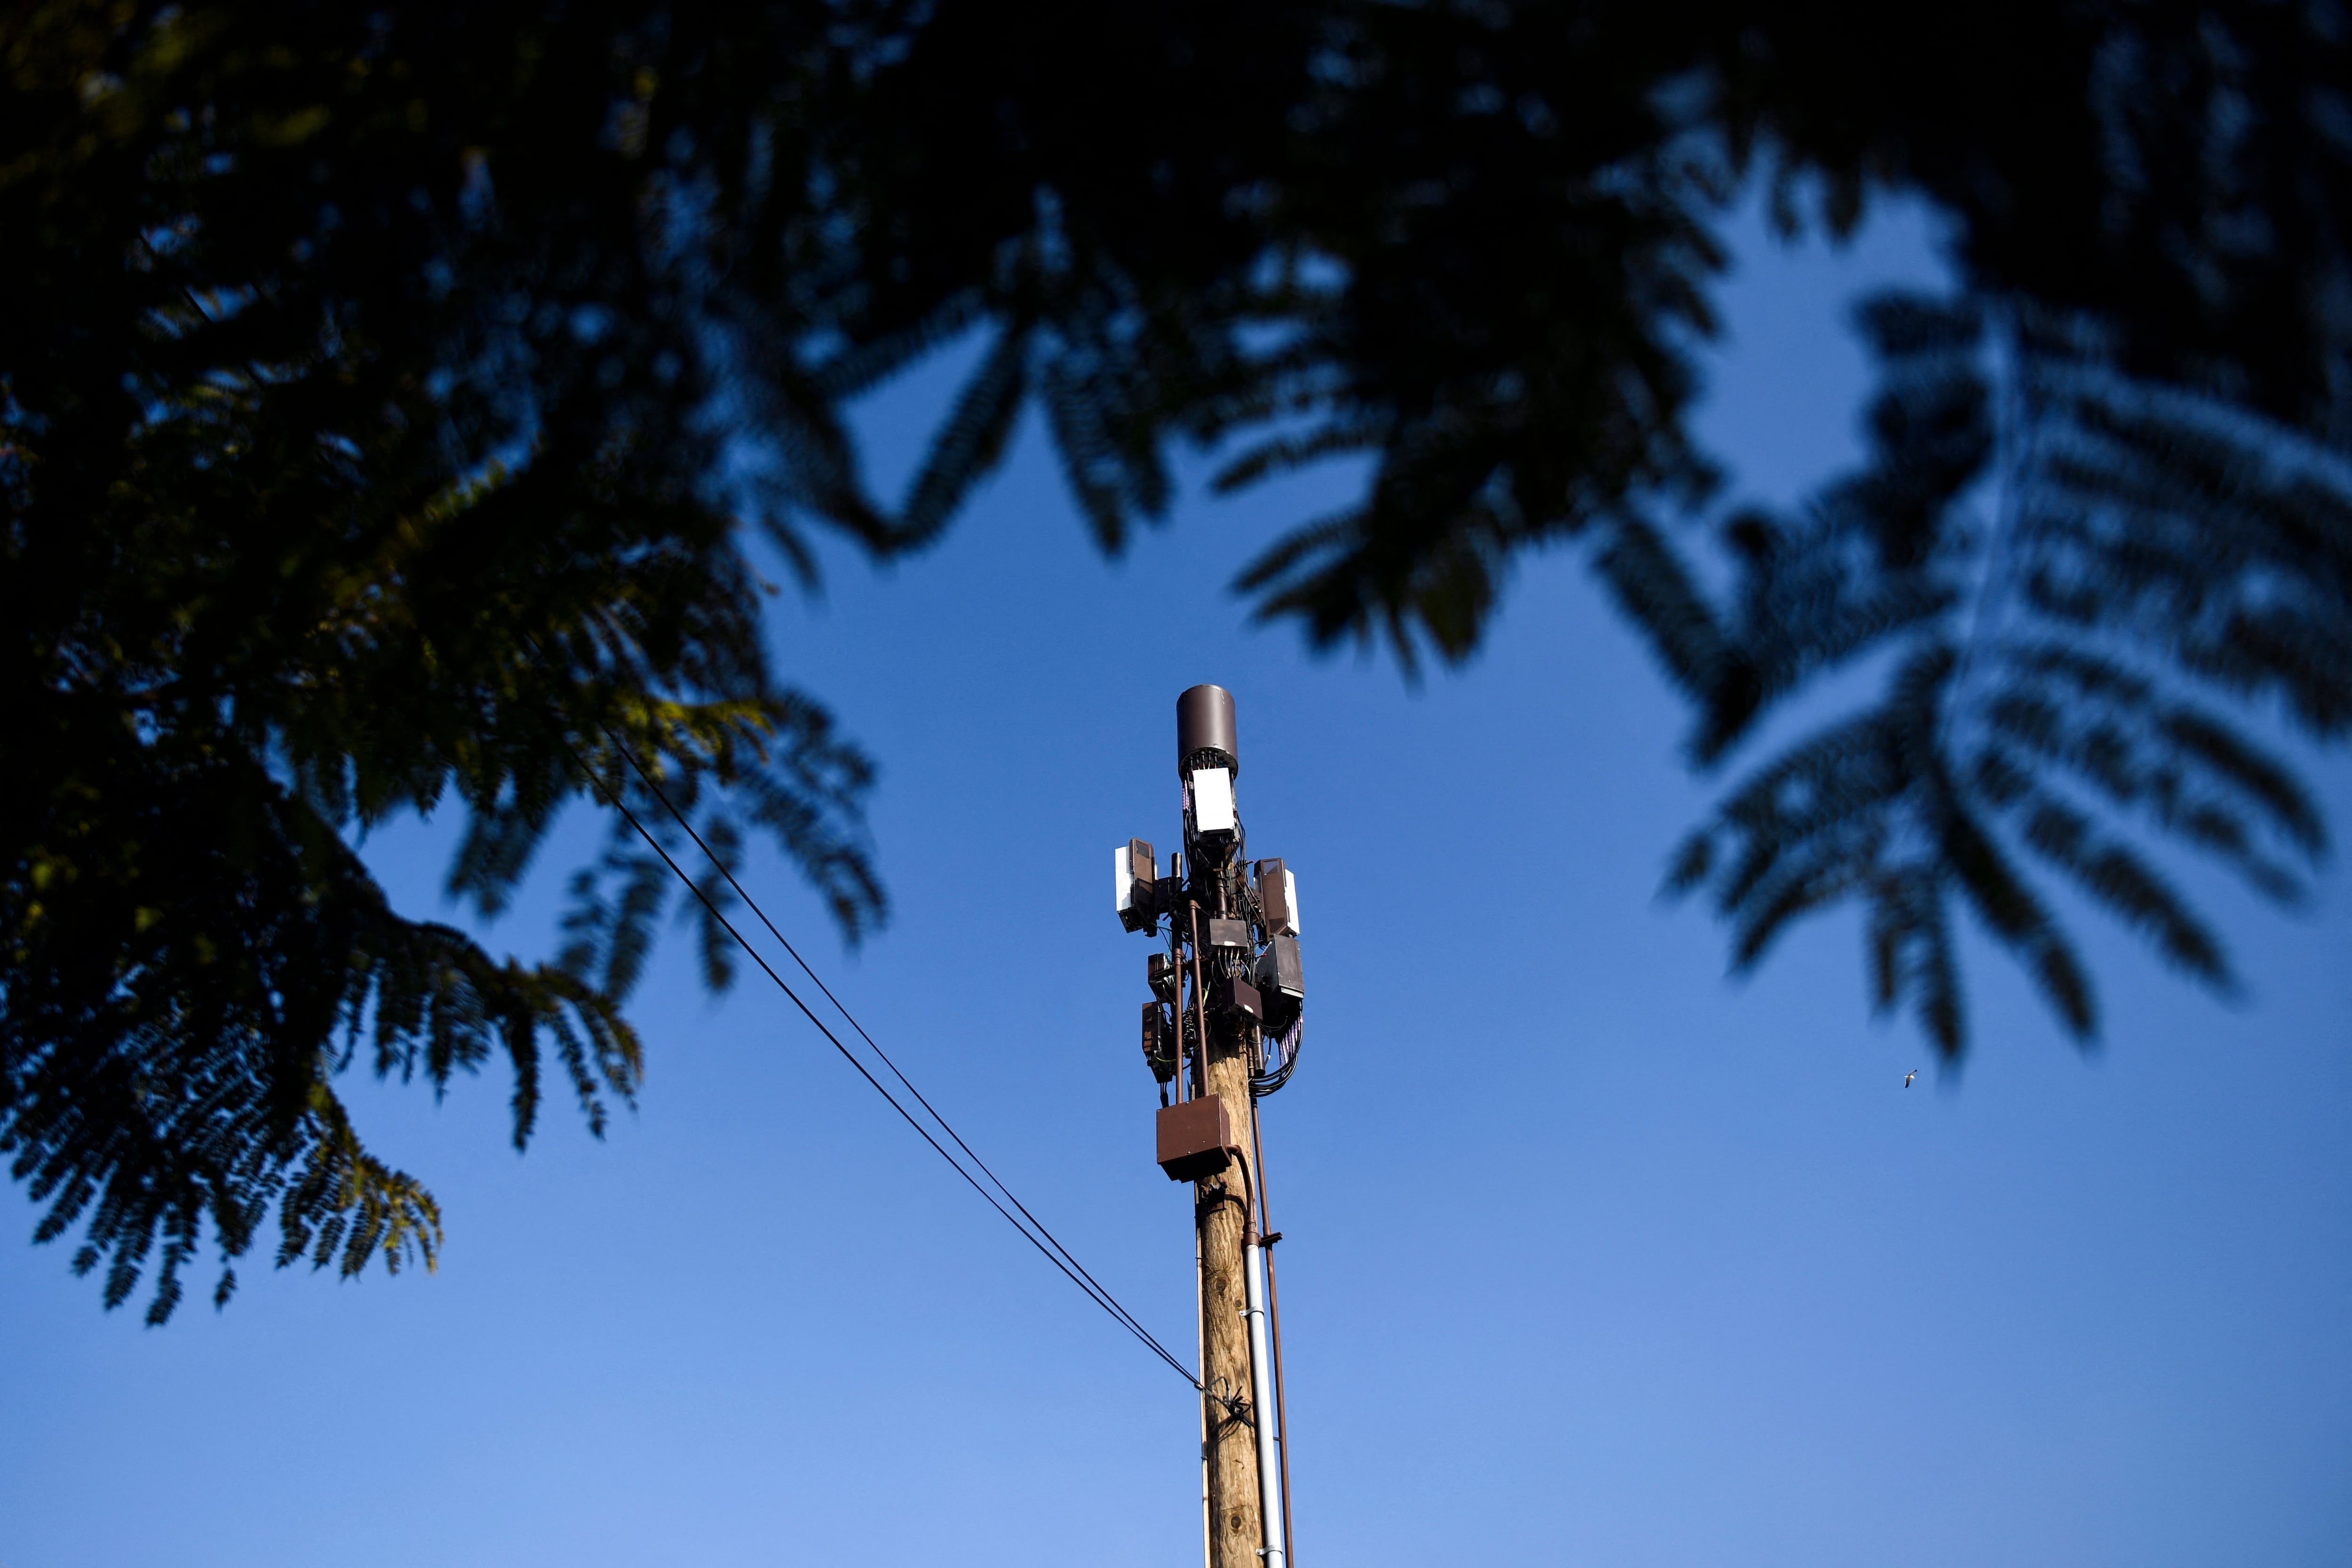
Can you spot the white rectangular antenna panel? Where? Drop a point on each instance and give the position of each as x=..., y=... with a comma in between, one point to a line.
x=1122, y=870
x=1213, y=801
x=1290, y=898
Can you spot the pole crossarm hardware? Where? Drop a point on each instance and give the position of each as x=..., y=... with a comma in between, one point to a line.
x=1221, y=1032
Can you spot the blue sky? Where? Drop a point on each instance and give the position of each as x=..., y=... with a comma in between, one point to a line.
x=1593, y=1257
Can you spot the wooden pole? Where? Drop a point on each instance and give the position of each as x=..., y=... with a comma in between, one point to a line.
x=1235, y=1530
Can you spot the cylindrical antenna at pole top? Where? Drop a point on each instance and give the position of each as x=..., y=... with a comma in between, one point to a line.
x=1204, y=722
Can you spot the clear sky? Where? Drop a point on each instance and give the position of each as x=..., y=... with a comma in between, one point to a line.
x=1593, y=1257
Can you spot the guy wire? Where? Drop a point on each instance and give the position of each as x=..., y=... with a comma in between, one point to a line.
x=1075, y=1273
x=842, y=1008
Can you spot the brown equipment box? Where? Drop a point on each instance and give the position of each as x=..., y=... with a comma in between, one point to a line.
x=1196, y=1139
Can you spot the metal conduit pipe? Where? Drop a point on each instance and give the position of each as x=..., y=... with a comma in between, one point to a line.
x=1262, y=1403
x=1201, y=1328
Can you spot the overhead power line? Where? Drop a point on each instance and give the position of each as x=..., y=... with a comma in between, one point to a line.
x=1031, y=1228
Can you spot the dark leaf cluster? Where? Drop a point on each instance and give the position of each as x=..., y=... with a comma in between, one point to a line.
x=395, y=401
x=2101, y=608
x=349, y=471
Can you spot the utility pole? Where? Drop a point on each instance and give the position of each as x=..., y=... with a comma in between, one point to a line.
x=1222, y=1030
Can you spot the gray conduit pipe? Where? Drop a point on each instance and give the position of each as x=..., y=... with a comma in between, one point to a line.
x=1269, y=1460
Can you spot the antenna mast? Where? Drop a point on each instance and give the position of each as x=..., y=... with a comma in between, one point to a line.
x=1222, y=1032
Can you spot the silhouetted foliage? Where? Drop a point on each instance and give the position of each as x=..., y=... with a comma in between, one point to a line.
x=2089, y=594
x=348, y=472
x=391, y=396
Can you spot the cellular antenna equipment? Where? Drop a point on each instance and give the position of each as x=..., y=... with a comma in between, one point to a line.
x=1222, y=1030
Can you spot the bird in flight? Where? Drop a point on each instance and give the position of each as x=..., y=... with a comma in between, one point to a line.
x=1909, y=1076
